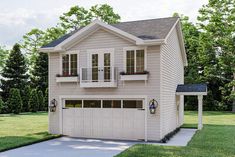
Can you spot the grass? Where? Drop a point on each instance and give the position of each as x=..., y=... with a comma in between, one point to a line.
x=23, y=129
x=216, y=139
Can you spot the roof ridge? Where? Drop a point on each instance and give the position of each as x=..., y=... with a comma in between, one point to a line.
x=146, y=20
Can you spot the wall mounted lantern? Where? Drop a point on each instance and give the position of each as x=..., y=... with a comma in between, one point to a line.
x=52, y=106
x=153, y=104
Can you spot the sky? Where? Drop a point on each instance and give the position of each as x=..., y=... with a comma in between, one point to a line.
x=17, y=17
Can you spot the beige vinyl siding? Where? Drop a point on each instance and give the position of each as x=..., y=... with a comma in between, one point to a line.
x=99, y=40
x=172, y=74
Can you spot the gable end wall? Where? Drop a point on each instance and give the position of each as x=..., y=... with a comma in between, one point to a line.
x=172, y=74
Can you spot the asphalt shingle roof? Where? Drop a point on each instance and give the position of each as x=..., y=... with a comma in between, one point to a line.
x=191, y=88
x=144, y=29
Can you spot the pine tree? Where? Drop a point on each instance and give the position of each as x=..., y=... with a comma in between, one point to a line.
x=39, y=76
x=14, y=72
x=33, y=101
x=25, y=98
x=40, y=100
x=14, y=101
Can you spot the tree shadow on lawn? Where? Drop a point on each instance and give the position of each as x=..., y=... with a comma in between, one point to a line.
x=10, y=142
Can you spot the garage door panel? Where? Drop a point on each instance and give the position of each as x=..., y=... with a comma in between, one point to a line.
x=109, y=123
x=97, y=123
x=68, y=121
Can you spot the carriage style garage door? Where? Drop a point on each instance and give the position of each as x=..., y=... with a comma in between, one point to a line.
x=107, y=119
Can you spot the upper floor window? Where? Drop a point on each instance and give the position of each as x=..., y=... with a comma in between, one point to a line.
x=135, y=61
x=69, y=65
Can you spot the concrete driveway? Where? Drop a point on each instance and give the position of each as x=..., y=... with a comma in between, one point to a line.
x=70, y=147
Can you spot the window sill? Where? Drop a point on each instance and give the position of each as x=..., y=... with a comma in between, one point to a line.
x=134, y=77
x=67, y=79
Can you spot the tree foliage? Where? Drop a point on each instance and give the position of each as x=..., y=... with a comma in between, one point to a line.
x=1, y=106
x=34, y=101
x=78, y=16
x=40, y=100
x=14, y=101
x=217, y=20
x=14, y=72
x=3, y=56
x=25, y=98
x=211, y=53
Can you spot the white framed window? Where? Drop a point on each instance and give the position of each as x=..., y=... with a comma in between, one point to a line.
x=69, y=63
x=134, y=60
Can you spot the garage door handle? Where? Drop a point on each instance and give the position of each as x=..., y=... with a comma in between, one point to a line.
x=141, y=109
x=64, y=108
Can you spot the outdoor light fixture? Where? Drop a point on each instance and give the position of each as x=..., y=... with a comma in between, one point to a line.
x=153, y=106
x=52, y=106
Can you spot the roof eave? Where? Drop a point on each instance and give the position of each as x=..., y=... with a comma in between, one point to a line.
x=50, y=49
x=151, y=42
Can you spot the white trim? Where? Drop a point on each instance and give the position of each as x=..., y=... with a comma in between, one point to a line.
x=171, y=30
x=146, y=120
x=99, y=51
x=135, y=77
x=134, y=48
x=103, y=97
x=67, y=79
x=191, y=93
x=94, y=24
x=49, y=90
x=179, y=30
x=60, y=116
x=200, y=109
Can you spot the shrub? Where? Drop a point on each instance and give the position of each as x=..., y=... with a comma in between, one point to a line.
x=40, y=100
x=25, y=99
x=14, y=101
x=33, y=101
x=1, y=105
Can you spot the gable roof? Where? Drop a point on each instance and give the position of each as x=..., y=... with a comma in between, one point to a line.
x=148, y=29
x=156, y=29
x=142, y=33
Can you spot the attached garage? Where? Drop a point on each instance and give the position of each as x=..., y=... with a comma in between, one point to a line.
x=107, y=118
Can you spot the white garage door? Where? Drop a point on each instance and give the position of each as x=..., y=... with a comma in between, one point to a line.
x=107, y=119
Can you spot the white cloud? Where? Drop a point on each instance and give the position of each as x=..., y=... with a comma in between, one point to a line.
x=19, y=17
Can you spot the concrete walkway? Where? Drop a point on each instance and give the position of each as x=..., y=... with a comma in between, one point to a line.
x=74, y=147
x=181, y=138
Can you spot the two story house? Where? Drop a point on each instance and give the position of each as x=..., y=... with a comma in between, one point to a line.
x=117, y=81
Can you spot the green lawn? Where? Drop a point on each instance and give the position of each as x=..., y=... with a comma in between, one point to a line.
x=23, y=129
x=216, y=139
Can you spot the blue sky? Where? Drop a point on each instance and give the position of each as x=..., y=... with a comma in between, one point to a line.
x=18, y=17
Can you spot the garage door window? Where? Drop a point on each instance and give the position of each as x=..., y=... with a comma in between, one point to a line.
x=92, y=103
x=73, y=103
x=111, y=103
x=132, y=104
